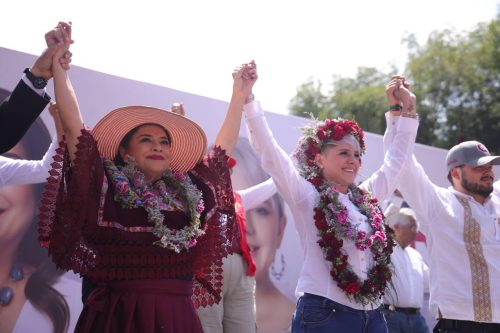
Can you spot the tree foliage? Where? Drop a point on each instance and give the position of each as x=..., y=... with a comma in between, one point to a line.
x=455, y=76
x=359, y=98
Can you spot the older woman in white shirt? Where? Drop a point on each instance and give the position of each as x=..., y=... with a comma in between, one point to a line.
x=345, y=244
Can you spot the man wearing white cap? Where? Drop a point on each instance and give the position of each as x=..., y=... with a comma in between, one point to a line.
x=462, y=227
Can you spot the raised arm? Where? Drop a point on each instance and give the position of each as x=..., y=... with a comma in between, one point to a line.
x=244, y=78
x=400, y=148
x=69, y=110
x=54, y=112
x=26, y=102
x=395, y=107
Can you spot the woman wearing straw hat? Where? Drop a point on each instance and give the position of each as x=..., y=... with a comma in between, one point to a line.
x=345, y=244
x=136, y=209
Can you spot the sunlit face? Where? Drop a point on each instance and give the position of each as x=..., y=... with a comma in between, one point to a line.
x=265, y=230
x=17, y=207
x=150, y=147
x=476, y=180
x=405, y=234
x=339, y=164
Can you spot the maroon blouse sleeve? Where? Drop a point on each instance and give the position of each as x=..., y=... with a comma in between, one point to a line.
x=70, y=201
x=220, y=228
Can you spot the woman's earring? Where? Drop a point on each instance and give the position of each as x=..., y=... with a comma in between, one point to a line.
x=278, y=275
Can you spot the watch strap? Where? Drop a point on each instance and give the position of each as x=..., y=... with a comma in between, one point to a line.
x=37, y=81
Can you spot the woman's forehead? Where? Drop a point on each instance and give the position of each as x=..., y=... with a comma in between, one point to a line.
x=345, y=145
x=155, y=130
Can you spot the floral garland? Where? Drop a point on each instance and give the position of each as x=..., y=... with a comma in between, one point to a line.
x=331, y=217
x=173, y=190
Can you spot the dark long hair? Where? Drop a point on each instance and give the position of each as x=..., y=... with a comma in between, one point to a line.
x=38, y=288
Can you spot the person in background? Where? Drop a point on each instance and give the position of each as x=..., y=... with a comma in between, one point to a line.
x=461, y=225
x=404, y=297
x=343, y=236
x=20, y=109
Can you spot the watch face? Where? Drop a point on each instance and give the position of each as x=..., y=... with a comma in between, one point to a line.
x=39, y=83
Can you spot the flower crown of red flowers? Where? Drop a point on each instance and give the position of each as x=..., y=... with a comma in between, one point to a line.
x=316, y=135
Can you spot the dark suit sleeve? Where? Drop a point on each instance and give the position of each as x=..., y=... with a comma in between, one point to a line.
x=17, y=113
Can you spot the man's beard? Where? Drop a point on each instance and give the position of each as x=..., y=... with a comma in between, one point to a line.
x=482, y=190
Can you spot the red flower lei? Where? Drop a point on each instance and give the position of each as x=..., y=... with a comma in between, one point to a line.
x=331, y=217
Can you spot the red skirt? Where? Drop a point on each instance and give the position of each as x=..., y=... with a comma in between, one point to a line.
x=140, y=306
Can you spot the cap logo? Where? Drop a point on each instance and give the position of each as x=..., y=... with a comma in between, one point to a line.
x=482, y=148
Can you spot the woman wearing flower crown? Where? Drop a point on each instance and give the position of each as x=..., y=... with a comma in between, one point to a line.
x=135, y=208
x=344, y=238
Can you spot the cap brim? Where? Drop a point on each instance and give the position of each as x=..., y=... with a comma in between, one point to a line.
x=495, y=160
x=189, y=141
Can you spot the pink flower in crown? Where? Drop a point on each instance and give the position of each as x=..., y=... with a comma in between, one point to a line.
x=338, y=133
x=322, y=135
x=192, y=242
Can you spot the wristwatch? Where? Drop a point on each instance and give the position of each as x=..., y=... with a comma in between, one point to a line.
x=38, y=82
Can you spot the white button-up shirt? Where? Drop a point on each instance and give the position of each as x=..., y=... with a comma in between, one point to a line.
x=301, y=196
x=410, y=279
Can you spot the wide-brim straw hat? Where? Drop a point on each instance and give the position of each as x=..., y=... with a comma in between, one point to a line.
x=188, y=140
